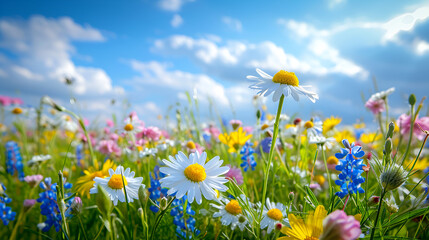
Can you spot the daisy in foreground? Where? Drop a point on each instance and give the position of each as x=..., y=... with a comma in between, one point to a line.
x=115, y=187
x=231, y=213
x=311, y=229
x=194, y=176
x=273, y=214
x=283, y=82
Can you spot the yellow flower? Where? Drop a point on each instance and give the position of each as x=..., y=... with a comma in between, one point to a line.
x=319, y=179
x=345, y=134
x=85, y=183
x=369, y=137
x=235, y=139
x=311, y=229
x=330, y=123
x=421, y=164
x=359, y=125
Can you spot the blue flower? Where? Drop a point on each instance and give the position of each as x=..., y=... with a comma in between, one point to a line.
x=49, y=206
x=351, y=169
x=6, y=213
x=155, y=190
x=14, y=160
x=265, y=144
x=248, y=158
x=185, y=223
x=79, y=154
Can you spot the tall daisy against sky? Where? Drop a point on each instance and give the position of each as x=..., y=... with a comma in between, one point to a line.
x=283, y=82
x=115, y=187
x=193, y=176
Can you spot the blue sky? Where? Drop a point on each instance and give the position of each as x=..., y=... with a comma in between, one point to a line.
x=150, y=52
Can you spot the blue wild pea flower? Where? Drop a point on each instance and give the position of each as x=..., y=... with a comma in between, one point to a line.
x=14, y=160
x=49, y=206
x=350, y=166
x=6, y=213
x=155, y=190
x=185, y=223
x=248, y=158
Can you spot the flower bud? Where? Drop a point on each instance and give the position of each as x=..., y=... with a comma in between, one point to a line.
x=103, y=201
x=140, y=210
x=393, y=177
x=28, y=204
x=242, y=219
x=142, y=194
x=76, y=206
x=412, y=99
x=373, y=200
x=258, y=114
x=278, y=226
x=388, y=146
x=390, y=130
x=163, y=203
x=291, y=196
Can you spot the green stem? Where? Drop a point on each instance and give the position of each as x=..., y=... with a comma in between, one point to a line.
x=82, y=228
x=327, y=171
x=128, y=205
x=378, y=214
x=159, y=218
x=418, y=155
x=411, y=134
x=270, y=156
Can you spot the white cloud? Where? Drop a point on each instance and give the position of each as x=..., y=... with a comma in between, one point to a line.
x=403, y=22
x=233, y=59
x=421, y=47
x=156, y=75
x=232, y=23
x=42, y=49
x=172, y=5
x=176, y=21
x=334, y=3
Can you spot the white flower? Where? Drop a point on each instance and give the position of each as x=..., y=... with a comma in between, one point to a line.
x=165, y=144
x=38, y=159
x=283, y=82
x=115, y=187
x=273, y=213
x=314, y=127
x=67, y=123
x=323, y=142
x=148, y=151
x=132, y=125
x=194, y=176
x=231, y=213
x=382, y=94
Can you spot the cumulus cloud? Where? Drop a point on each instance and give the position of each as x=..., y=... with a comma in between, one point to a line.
x=176, y=21
x=233, y=59
x=42, y=53
x=172, y=5
x=232, y=23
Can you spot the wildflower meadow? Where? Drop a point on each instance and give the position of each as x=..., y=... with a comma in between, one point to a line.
x=280, y=177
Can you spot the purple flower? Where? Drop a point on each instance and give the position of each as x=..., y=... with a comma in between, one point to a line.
x=338, y=225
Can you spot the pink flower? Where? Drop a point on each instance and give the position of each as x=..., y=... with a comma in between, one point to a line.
x=338, y=225
x=153, y=133
x=5, y=100
x=108, y=147
x=33, y=180
x=213, y=131
x=29, y=203
x=234, y=173
x=235, y=124
x=404, y=123
x=315, y=186
x=248, y=129
x=16, y=101
x=110, y=123
x=376, y=106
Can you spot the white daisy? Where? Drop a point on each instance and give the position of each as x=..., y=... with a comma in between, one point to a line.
x=231, y=213
x=38, y=159
x=132, y=124
x=283, y=82
x=322, y=142
x=194, y=176
x=273, y=213
x=115, y=187
x=382, y=94
x=314, y=127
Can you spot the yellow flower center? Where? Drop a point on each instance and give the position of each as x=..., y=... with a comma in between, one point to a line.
x=139, y=148
x=17, y=110
x=288, y=78
x=311, y=238
x=319, y=179
x=275, y=214
x=308, y=124
x=332, y=160
x=233, y=207
x=265, y=126
x=128, y=127
x=195, y=172
x=190, y=145
x=115, y=181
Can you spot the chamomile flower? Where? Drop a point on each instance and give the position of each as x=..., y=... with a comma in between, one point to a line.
x=283, y=82
x=231, y=213
x=193, y=176
x=132, y=124
x=273, y=213
x=115, y=187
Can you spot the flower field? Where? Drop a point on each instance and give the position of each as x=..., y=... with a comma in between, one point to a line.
x=279, y=177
